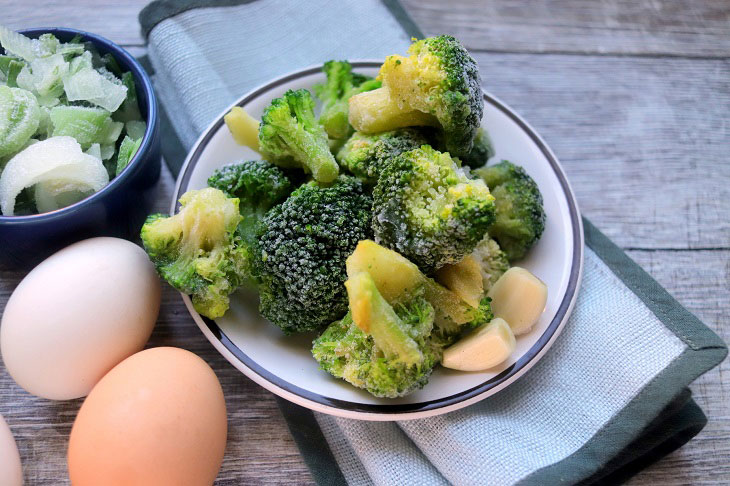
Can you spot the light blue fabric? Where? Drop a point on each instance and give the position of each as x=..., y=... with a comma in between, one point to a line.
x=207, y=57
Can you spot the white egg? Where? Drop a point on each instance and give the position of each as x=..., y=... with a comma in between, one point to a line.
x=78, y=314
x=11, y=473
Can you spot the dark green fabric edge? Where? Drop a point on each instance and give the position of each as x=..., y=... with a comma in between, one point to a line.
x=704, y=351
x=674, y=427
x=405, y=20
x=159, y=10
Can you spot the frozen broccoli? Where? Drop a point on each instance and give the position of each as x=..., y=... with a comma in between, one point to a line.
x=492, y=261
x=197, y=250
x=367, y=155
x=426, y=208
x=520, y=217
x=382, y=348
x=437, y=85
x=481, y=152
x=398, y=325
x=290, y=136
x=341, y=84
x=258, y=186
x=302, y=247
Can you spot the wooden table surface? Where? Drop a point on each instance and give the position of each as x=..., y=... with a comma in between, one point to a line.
x=633, y=97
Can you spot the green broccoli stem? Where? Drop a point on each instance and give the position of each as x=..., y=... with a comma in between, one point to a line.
x=374, y=315
x=376, y=111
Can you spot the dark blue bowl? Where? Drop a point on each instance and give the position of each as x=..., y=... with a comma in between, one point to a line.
x=118, y=209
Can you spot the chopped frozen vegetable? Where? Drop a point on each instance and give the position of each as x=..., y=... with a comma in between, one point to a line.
x=53, y=89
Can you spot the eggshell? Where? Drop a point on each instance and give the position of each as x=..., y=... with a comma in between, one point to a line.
x=11, y=473
x=77, y=314
x=158, y=418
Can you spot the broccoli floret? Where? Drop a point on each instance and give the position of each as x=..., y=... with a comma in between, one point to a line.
x=302, y=247
x=427, y=209
x=341, y=84
x=481, y=152
x=197, y=250
x=257, y=184
x=367, y=155
x=438, y=85
x=493, y=262
x=382, y=348
x=520, y=215
x=290, y=136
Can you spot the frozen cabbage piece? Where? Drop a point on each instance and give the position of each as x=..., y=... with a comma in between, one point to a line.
x=86, y=125
x=111, y=132
x=88, y=85
x=130, y=108
x=80, y=62
x=58, y=160
x=19, y=118
x=47, y=43
x=94, y=150
x=20, y=45
x=127, y=149
x=48, y=73
x=107, y=151
x=10, y=67
x=70, y=49
x=135, y=129
x=45, y=125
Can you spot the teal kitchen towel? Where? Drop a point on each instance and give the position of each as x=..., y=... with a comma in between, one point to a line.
x=608, y=399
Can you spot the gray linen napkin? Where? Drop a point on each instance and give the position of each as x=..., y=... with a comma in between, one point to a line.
x=607, y=400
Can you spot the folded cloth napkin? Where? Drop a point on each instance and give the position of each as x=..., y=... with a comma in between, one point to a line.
x=608, y=399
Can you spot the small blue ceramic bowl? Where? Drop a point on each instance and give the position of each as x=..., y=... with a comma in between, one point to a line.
x=119, y=209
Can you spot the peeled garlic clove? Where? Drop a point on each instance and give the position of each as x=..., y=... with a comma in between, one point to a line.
x=519, y=298
x=483, y=348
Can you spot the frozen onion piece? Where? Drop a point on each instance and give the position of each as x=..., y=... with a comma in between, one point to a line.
x=19, y=118
x=89, y=85
x=61, y=191
x=58, y=159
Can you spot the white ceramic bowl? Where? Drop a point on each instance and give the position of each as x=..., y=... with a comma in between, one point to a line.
x=284, y=364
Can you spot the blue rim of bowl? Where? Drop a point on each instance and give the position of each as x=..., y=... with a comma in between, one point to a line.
x=140, y=75
x=403, y=408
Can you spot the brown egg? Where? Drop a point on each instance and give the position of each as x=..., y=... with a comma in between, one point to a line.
x=157, y=418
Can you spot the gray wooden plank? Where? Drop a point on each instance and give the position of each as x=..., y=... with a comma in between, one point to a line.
x=665, y=27
x=699, y=280
x=645, y=142
x=115, y=20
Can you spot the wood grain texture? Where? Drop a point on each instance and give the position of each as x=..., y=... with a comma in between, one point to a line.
x=115, y=20
x=668, y=28
x=645, y=143
x=699, y=280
